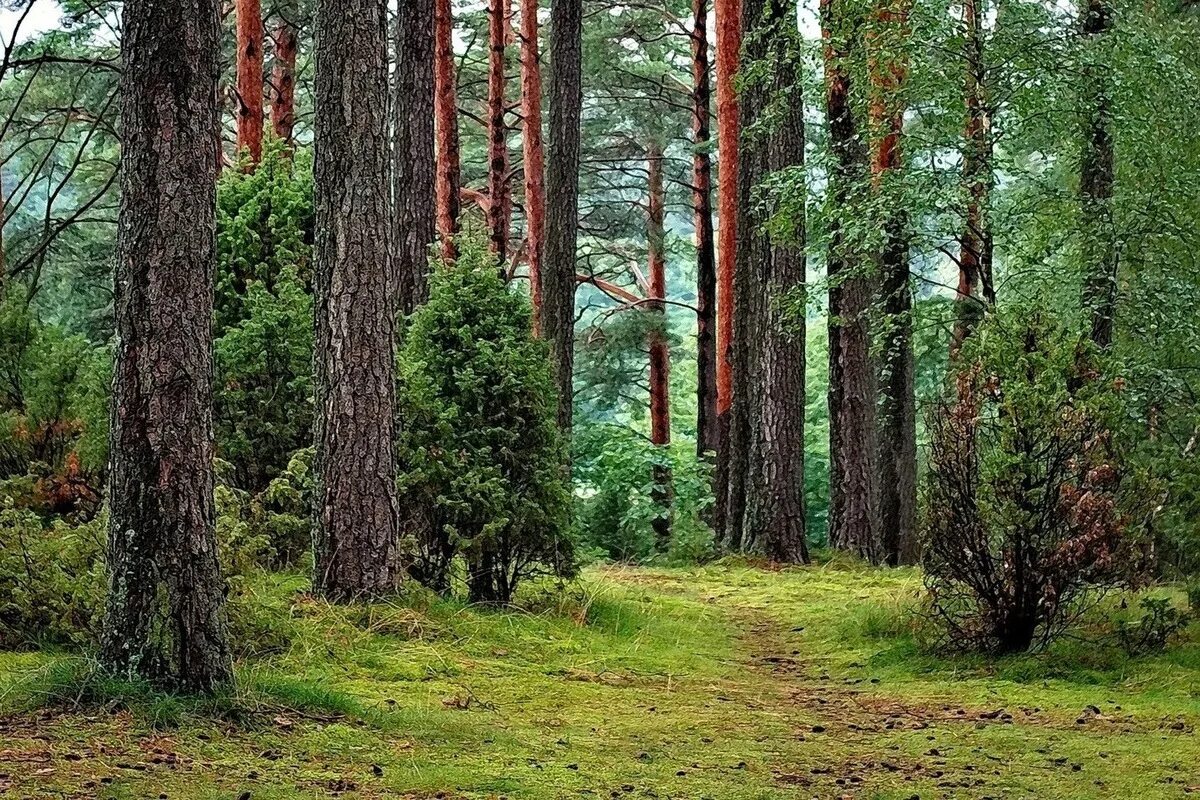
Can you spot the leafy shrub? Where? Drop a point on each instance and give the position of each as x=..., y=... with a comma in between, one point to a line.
x=1160, y=623
x=481, y=454
x=617, y=506
x=1029, y=506
x=52, y=580
x=263, y=401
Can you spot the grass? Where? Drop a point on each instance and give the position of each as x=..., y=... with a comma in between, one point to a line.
x=726, y=682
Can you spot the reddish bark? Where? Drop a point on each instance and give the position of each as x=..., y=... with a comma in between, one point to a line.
x=446, y=122
x=250, y=78
x=975, y=290
x=283, y=79
x=729, y=43
x=497, y=171
x=534, y=156
x=707, y=430
x=660, y=357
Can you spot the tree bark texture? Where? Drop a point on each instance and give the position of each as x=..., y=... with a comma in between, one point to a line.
x=660, y=353
x=707, y=429
x=976, y=289
x=897, y=407
x=165, y=619
x=250, y=77
x=497, y=130
x=1100, y=258
x=774, y=516
x=533, y=155
x=557, y=276
x=354, y=292
x=853, y=521
x=446, y=124
x=283, y=77
x=413, y=151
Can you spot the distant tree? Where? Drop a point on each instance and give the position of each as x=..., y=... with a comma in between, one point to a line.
x=356, y=539
x=707, y=429
x=534, y=155
x=286, y=40
x=250, y=78
x=445, y=105
x=1096, y=178
x=165, y=619
x=660, y=352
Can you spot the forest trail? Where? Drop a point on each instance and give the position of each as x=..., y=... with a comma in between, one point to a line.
x=726, y=682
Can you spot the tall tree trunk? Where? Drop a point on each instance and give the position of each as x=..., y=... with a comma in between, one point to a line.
x=898, y=403
x=533, y=155
x=660, y=354
x=354, y=291
x=287, y=48
x=853, y=521
x=446, y=115
x=250, y=77
x=497, y=218
x=562, y=192
x=976, y=290
x=707, y=429
x=1100, y=259
x=413, y=151
x=165, y=619
x=729, y=44
x=772, y=384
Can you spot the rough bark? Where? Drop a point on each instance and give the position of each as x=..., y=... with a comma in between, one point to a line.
x=853, y=521
x=413, y=151
x=354, y=293
x=1100, y=258
x=165, y=619
x=446, y=125
x=707, y=429
x=497, y=130
x=772, y=388
x=533, y=154
x=557, y=276
x=250, y=78
x=976, y=290
x=283, y=77
x=728, y=48
x=660, y=354
x=897, y=396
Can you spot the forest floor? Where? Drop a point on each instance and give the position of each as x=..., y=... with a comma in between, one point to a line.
x=726, y=682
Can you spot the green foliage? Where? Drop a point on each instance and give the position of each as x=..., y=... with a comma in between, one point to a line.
x=263, y=402
x=481, y=455
x=51, y=580
x=616, y=506
x=1161, y=623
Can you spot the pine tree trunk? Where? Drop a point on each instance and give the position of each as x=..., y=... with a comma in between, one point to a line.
x=250, y=77
x=728, y=48
x=853, y=521
x=774, y=395
x=898, y=403
x=660, y=354
x=975, y=287
x=287, y=48
x=707, y=429
x=446, y=125
x=557, y=276
x=1100, y=259
x=165, y=619
x=497, y=130
x=534, y=157
x=413, y=151
x=354, y=293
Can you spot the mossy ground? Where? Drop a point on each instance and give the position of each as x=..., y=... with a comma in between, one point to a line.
x=727, y=682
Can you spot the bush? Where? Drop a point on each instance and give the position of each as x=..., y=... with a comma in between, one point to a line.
x=1029, y=507
x=617, y=506
x=481, y=454
x=52, y=581
x=1161, y=622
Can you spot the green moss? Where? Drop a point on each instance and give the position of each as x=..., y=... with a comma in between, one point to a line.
x=704, y=682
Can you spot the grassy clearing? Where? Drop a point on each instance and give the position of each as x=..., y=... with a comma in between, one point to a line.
x=725, y=682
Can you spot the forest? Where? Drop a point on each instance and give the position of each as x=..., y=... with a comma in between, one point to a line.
x=506, y=399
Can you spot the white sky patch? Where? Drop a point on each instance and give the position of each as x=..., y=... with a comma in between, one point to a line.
x=44, y=15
